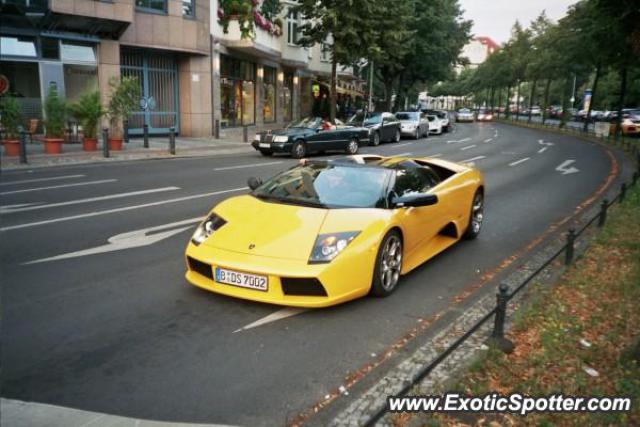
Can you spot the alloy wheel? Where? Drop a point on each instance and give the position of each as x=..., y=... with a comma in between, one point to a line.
x=391, y=263
x=352, y=147
x=477, y=213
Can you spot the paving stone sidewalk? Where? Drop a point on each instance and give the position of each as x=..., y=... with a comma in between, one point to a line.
x=134, y=150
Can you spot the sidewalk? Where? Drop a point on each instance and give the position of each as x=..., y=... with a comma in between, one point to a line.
x=16, y=413
x=134, y=150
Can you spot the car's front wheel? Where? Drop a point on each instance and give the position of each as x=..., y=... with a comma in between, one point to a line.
x=476, y=217
x=298, y=150
x=417, y=134
x=352, y=146
x=375, y=141
x=397, y=136
x=386, y=273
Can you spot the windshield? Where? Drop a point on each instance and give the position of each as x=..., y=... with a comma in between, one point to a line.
x=327, y=185
x=464, y=111
x=307, y=122
x=372, y=119
x=407, y=116
x=431, y=118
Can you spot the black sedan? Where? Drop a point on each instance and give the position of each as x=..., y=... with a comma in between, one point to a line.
x=311, y=135
x=382, y=126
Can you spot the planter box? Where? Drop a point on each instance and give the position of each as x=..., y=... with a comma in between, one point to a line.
x=11, y=147
x=53, y=145
x=89, y=144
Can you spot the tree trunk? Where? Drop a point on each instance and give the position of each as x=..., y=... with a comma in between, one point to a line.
x=518, y=101
x=499, y=100
x=507, y=110
x=388, y=88
x=399, y=98
x=623, y=89
x=593, y=95
x=546, y=101
x=531, y=95
x=333, y=95
x=565, y=101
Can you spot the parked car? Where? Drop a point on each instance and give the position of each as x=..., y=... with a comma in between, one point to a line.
x=435, y=124
x=311, y=135
x=536, y=111
x=443, y=115
x=465, y=115
x=484, y=116
x=630, y=122
x=382, y=126
x=413, y=124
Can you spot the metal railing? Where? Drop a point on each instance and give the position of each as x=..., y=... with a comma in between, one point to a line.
x=498, y=313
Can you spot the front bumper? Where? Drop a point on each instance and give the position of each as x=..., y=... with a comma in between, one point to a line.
x=274, y=147
x=345, y=278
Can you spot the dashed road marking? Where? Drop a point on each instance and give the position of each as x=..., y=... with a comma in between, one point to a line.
x=402, y=145
x=461, y=140
x=473, y=159
x=277, y=315
x=53, y=187
x=517, y=162
x=27, y=181
x=253, y=165
x=402, y=154
x=488, y=140
x=542, y=150
x=467, y=147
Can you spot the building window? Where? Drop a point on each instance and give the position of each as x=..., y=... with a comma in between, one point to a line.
x=292, y=28
x=188, y=8
x=18, y=46
x=237, y=91
x=325, y=52
x=286, y=97
x=78, y=80
x=269, y=94
x=75, y=52
x=152, y=5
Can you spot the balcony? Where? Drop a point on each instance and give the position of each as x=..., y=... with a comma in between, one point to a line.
x=263, y=44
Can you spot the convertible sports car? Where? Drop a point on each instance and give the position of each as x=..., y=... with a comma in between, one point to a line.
x=310, y=136
x=325, y=232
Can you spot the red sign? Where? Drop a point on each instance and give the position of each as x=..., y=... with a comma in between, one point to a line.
x=4, y=84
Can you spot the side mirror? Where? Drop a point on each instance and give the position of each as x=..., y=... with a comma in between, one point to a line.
x=254, y=182
x=416, y=200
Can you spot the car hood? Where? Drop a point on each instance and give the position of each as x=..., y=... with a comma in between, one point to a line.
x=282, y=231
x=408, y=122
x=288, y=132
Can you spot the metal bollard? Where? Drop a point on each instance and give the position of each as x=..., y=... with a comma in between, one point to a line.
x=125, y=125
x=634, y=180
x=571, y=238
x=602, y=218
x=105, y=142
x=23, y=147
x=145, y=135
x=172, y=140
x=497, y=339
x=623, y=191
x=245, y=134
x=216, y=129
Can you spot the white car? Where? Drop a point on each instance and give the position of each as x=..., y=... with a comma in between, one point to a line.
x=444, y=119
x=435, y=124
x=465, y=115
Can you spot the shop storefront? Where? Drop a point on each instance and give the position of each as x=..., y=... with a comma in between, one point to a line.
x=269, y=94
x=286, y=96
x=237, y=92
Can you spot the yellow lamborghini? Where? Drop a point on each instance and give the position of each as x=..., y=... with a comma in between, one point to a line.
x=325, y=232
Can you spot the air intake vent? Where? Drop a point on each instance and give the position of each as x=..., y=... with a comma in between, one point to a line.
x=303, y=287
x=200, y=268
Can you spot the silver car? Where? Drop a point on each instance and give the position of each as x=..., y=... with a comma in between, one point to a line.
x=465, y=115
x=413, y=124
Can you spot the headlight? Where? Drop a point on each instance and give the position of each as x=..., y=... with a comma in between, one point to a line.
x=256, y=138
x=328, y=246
x=206, y=228
x=489, y=117
x=280, y=138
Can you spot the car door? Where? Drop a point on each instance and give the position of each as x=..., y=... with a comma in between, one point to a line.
x=323, y=139
x=388, y=126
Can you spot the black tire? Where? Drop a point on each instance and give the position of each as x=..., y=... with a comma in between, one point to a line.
x=476, y=216
x=352, y=146
x=375, y=141
x=417, y=135
x=266, y=153
x=380, y=286
x=397, y=136
x=299, y=149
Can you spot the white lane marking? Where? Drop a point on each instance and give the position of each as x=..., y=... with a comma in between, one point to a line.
x=488, y=140
x=89, y=200
x=123, y=209
x=541, y=142
x=20, y=205
x=435, y=155
x=517, y=162
x=277, y=315
x=27, y=181
x=253, y=165
x=542, y=150
x=467, y=147
x=52, y=187
x=402, y=145
x=473, y=159
x=565, y=169
x=461, y=140
x=131, y=239
x=401, y=154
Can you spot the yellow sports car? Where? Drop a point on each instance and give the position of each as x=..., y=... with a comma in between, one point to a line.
x=326, y=232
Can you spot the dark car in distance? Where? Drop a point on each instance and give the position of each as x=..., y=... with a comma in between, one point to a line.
x=311, y=135
x=382, y=126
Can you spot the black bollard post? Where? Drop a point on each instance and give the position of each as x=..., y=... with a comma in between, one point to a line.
x=125, y=125
x=497, y=339
x=105, y=142
x=172, y=140
x=23, y=147
x=245, y=134
x=634, y=180
x=623, y=191
x=602, y=218
x=216, y=129
x=571, y=238
x=145, y=135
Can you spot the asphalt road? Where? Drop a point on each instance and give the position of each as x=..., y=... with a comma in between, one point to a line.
x=120, y=331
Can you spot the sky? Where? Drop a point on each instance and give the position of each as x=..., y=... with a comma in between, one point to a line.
x=494, y=18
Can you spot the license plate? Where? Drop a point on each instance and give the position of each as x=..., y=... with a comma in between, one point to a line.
x=244, y=280
x=264, y=145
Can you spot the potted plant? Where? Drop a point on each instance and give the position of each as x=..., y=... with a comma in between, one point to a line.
x=88, y=111
x=55, y=110
x=125, y=98
x=10, y=119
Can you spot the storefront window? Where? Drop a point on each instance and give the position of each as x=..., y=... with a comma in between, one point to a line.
x=269, y=94
x=286, y=97
x=78, y=52
x=237, y=86
x=18, y=46
x=78, y=80
x=23, y=83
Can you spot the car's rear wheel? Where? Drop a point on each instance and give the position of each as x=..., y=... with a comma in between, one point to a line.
x=266, y=153
x=477, y=216
x=386, y=273
x=352, y=146
x=298, y=150
x=397, y=136
x=417, y=135
x=375, y=141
